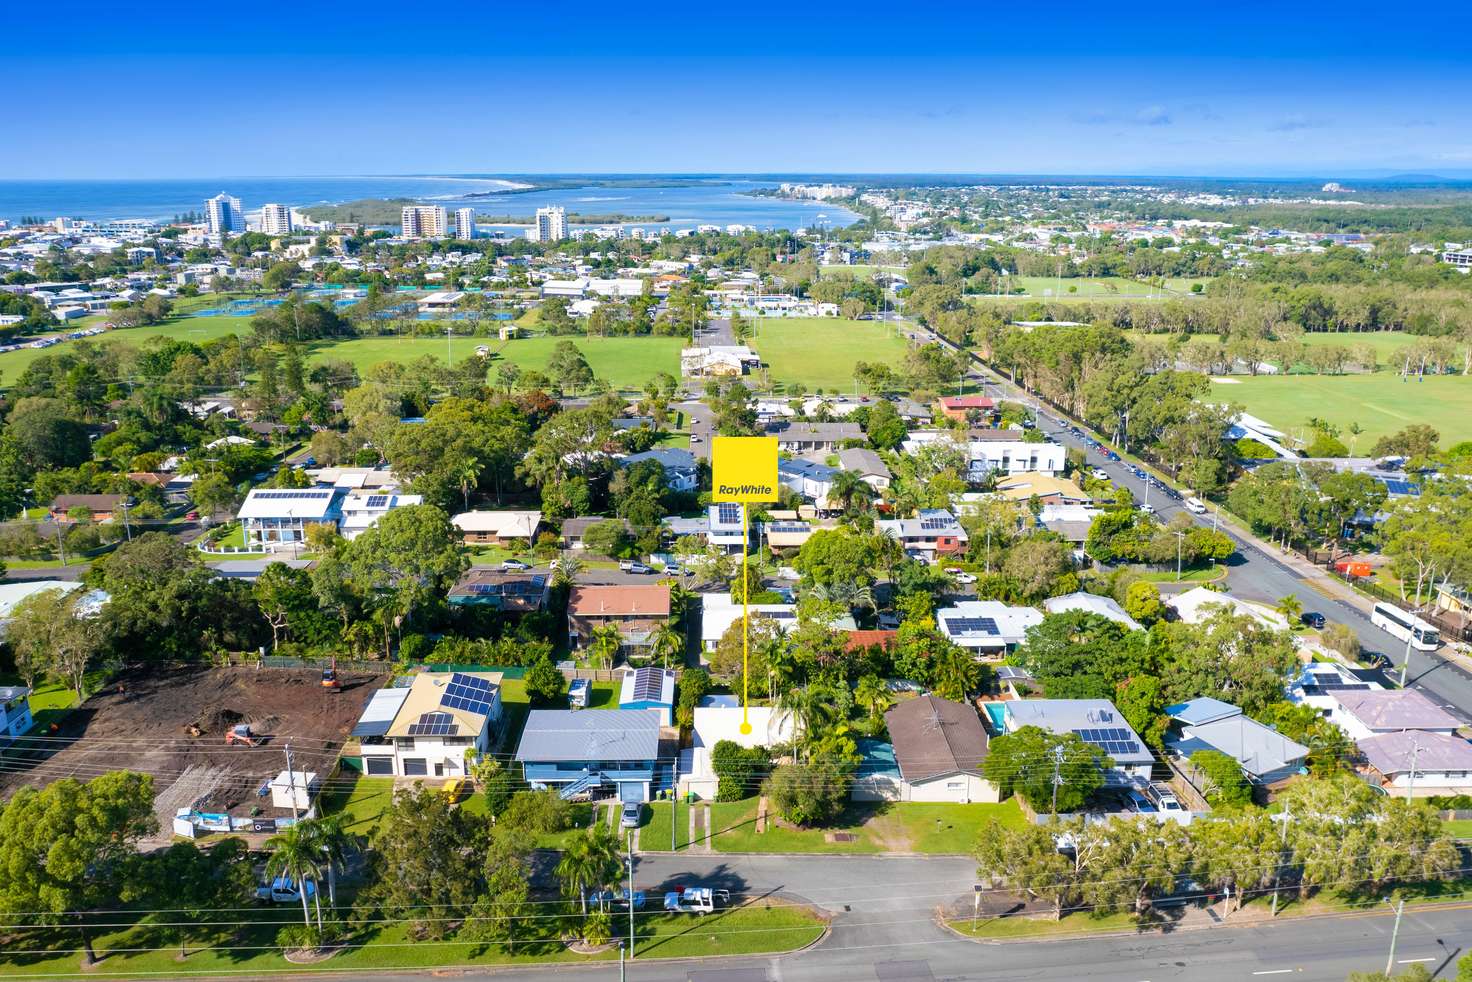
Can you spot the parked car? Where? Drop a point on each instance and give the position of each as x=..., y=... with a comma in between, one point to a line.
x=283, y=890
x=674, y=569
x=607, y=899
x=1101, y=474
x=1164, y=798
x=965, y=578
x=508, y=565
x=455, y=789
x=631, y=815
x=1313, y=619
x=1195, y=506
x=1148, y=509
x=1137, y=802
x=639, y=568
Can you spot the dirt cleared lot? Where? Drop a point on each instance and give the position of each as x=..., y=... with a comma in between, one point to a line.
x=144, y=723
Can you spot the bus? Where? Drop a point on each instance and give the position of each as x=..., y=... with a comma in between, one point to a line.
x=1407, y=627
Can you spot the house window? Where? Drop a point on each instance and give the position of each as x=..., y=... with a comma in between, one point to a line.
x=415, y=767
x=955, y=785
x=378, y=765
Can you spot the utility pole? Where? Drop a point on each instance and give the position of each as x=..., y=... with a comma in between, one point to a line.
x=1057, y=777
x=674, y=801
x=620, y=963
x=1278, y=868
x=291, y=784
x=631, y=893
x=1411, y=781
x=1394, y=934
x=1405, y=664
x=127, y=529
x=1180, y=541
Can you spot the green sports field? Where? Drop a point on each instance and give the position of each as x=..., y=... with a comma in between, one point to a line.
x=1094, y=288
x=625, y=363
x=13, y=363
x=1385, y=343
x=820, y=352
x=1380, y=403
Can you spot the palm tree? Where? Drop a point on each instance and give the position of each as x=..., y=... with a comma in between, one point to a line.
x=333, y=841
x=1290, y=607
x=1355, y=429
x=846, y=593
x=568, y=568
x=295, y=856
x=606, y=642
x=850, y=491
x=589, y=861
x=668, y=640
x=467, y=472
x=872, y=694
x=812, y=710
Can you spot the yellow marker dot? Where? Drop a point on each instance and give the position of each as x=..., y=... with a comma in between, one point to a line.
x=745, y=729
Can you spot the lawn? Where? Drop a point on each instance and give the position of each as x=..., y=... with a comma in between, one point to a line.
x=820, y=352
x=1093, y=288
x=1029, y=927
x=1206, y=574
x=1460, y=828
x=876, y=827
x=1385, y=343
x=654, y=834
x=626, y=363
x=200, y=329
x=1380, y=403
x=250, y=950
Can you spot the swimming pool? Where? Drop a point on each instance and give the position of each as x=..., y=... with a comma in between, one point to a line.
x=996, y=715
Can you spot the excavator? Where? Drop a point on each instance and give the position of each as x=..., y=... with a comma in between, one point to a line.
x=241, y=734
x=330, y=681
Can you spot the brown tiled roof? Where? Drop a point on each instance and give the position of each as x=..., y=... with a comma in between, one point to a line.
x=97, y=502
x=933, y=737
x=867, y=639
x=599, y=601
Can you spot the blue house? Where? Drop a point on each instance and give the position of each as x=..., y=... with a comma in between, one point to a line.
x=649, y=688
x=15, y=712
x=579, y=753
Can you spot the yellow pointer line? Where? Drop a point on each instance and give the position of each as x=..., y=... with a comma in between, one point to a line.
x=745, y=622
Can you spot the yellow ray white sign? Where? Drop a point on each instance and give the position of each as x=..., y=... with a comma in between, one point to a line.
x=743, y=471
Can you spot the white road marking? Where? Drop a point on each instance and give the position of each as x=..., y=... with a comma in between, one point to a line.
x=1275, y=971
x=1412, y=961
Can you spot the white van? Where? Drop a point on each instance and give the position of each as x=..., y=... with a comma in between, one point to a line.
x=1195, y=506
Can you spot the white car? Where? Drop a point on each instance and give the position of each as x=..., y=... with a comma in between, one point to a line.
x=508, y=565
x=964, y=578
x=1195, y=506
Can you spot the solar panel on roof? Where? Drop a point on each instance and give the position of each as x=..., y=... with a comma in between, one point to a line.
x=469, y=693
x=728, y=513
x=377, y=500
x=972, y=625
x=434, y=724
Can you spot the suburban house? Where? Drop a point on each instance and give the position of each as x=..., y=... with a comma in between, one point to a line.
x=718, y=611
x=680, y=471
x=1200, y=604
x=573, y=529
x=932, y=533
x=719, y=718
x=637, y=611
x=508, y=591
x=1265, y=755
x=806, y=438
x=806, y=478
x=787, y=533
x=1319, y=680
x=1420, y=762
x=723, y=360
x=1049, y=489
x=355, y=478
x=726, y=529
x=963, y=407
x=427, y=729
x=579, y=753
x=1096, y=721
x=939, y=747
x=15, y=712
x=270, y=516
x=100, y=507
x=649, y=688
x=987, y=628
x=989, y=452
x=513, y=529
x=1072, y=522
x=361, y=510
x=1369, y=712
x=870, y=467
x=1094, y=604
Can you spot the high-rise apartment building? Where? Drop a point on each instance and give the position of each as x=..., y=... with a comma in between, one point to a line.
x=465, y=223
x=275, y=219
x=550, y=226
x=223, y=214
x=425, y=222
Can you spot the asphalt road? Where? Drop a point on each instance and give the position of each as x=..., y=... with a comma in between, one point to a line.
x=1257, y=573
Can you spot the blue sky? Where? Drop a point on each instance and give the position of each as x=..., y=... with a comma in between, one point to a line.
x=166, y=89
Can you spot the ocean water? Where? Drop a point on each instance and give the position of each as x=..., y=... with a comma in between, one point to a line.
x=716, y=201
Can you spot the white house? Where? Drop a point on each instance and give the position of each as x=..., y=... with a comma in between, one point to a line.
x=726, y=531
x=985, y=457
x=270, y=516
x=715, y=722
x=15, y=712
x=807, y=478
x=1363, y=713
x=680, y=470
x=498, y=528
x=939, y=747
x=1420, y=762
x=437, y=720
x=361, y=510
x=1200, y=604
x=931, y=534
x=987, y=628
x=1093, y=604
x=1096, y=721
x=718, y=611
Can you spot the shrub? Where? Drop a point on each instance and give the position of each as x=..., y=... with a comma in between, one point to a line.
x=808, y=794
x=738, y=769
x=545, y=684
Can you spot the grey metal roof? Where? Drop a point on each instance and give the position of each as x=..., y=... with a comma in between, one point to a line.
x=1073, y=715
x=590, y=735
x=379, y=714
x=1259, y=749
x=9, y=692
x=1201, y=710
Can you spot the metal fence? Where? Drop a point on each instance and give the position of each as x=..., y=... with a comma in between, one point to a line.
x=343, y=664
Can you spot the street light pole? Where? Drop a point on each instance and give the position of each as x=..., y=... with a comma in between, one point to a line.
x=631, y=891
x=1180, y=541
x=1405, y=664
x=1395, y=933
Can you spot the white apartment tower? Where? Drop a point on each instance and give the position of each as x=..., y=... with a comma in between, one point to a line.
x=223, y=214
x=465, y=223
x=275, y=219
x=425, y=222
x=551, y=225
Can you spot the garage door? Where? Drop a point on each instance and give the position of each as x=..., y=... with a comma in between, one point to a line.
x=415, y=767
x=378, y=765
